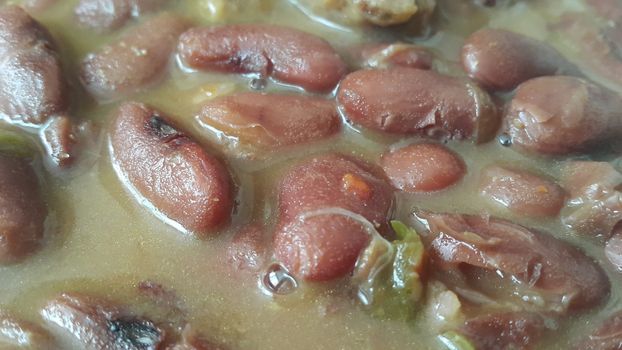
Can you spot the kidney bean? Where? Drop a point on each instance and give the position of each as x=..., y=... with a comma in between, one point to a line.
x=270, y=121
x=390, y=55
x=32, y=87
x=538, y=272
x=521, y=192
x=501, y=60
x=507, y=330
x=326, y=246
x=106, y=15
x=138, y=59
x=594, y=206
x=169, y=169
x=19, y=334
x=288, y=55
x=561, y=115
x=608, y=336
x=423, y=167
x=97, y=324
x=247, y=248
x=22, y=209
x=412, y=101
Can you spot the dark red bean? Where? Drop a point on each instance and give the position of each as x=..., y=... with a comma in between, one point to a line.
x=413, y=101
x=509, y=330
x=105, y=15
x=521, y=192
x=22, y=209
x=32, y=86
x=136, y=60
x=608, y=336
x=390, y=55
x=326, y=245
x=287, y=55
x=501, y=60
x=96, y=324
x=594, y=206
x=537, y=271
x=270, y=121
x=20, y=334
x=173, y=172
x=247, y=248
x=423, y=167
x=561, y=115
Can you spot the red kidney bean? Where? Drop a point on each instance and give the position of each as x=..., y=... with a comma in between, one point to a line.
x=326, y=246
x=501, y=60
x=608, y=336
x=390, y=55
x=288, y=55
x=413, y=101
x=96, y=324
x=507, y=330
x=538, y=272
x=22, y=209
x=20, y=334
x=521, y=192
x=105, y=15
x=138, y=59
x=423, y=167
x=32, y=86
x=169, y=169
x=247, y=248
x=270, y=121
x=561, y=115
x=594, y=206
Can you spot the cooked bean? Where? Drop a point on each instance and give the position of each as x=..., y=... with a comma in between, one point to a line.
x=595, y=197
x=138, y=59
x=537, y=271
x=326, y=246
x=561, y=115
x=165, y=166
x=59, y=138
x=268, y=121
x=613, y=248
x=501, y=60
x=287, y=55
x=423, y=167
x=97, y=324
x=607, y=337
x=105, y=15
x=390, y=55
x=521, y=192
x=247, y=248
x=412, y=101
x=509, y=330
x=22, y=209
x=608, y=9
x=19, y=334
x=32, y=87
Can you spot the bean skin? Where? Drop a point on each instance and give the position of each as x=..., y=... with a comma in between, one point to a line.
x=522, y=192
x=169, y=169
x=32, y=86
x=269, y=121
x=246, y=250
x=138, y=59
x=107, y=15
x=287, y=55
x=500, y=60
x=325, y=247
x=22, y=210
x=561, y=115
x=509, y=330
x=423, y=167
x=413, y=101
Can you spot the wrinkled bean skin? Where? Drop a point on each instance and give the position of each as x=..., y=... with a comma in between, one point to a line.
x=32, y=86
x=22, y=209
x=607, y=337
x=269, y=121
x=287, y=55
x=106, y=15
x=19, y=334
x=522, y=192
x=173, y=172
x=391, y=55
x=96, y=324
x=325, y=247
x=595, y=197
x=413, y=101
x=423, y=167
x=247, y=248
x=500, y=60
x=561, y=115
x=505, y=331
x=137, y=60
x=532, y=263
